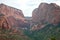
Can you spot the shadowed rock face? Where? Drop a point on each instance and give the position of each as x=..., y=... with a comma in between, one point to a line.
x=46, y=13
x=35, y=15
x=14, y=16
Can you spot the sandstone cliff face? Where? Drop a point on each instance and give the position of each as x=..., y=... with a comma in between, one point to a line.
x=46, y=13
x=3, y=22
x=14, y=16
x=35, y=15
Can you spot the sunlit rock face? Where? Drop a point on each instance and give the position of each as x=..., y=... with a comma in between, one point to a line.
x=46, y=13
x=3, y=22
x=14, y=16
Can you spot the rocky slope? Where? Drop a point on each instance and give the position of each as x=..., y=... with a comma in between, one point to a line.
x=14, y=16
x=49, y=32
x=9, y=33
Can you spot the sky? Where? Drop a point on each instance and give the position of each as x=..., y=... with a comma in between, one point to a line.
x=27, y=6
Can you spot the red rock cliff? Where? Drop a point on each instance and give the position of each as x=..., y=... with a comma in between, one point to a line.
x=46, y=13
x=14, y=16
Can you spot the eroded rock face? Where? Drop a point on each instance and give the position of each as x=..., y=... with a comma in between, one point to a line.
x=14, y=16
x=35, y=15
x=3, y=22
x=46, y=13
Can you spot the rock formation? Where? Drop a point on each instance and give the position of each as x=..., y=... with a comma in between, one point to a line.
x=3, y=22
x=35, y=15
x=46, y=13
x=14, y=16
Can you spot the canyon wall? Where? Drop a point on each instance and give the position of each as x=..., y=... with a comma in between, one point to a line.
x=14, y=16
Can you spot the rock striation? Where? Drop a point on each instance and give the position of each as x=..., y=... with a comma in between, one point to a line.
x=14, y=16
x=46, y=13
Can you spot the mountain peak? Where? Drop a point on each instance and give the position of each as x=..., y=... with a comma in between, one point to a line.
x=46, y=13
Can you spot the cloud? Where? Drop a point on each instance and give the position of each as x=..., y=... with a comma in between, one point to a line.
x=27, y=6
